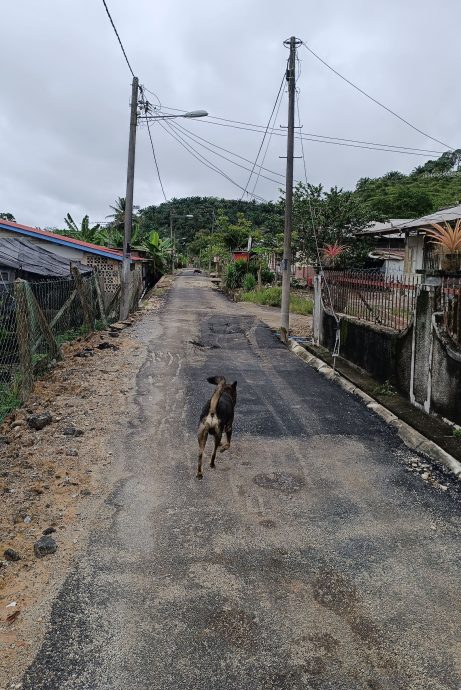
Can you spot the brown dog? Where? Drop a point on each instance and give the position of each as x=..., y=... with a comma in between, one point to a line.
x=217, y=418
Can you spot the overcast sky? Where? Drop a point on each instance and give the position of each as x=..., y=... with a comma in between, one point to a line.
x=65, y=91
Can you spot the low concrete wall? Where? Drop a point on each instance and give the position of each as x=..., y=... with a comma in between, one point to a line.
x=383, y=353
x=421, y=362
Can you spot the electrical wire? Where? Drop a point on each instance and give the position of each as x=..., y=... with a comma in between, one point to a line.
x=202, y=159
x=268, y=142
x=375, y=100
x=210, y=119
x=264, y=136
x=118, y=37
x=221, y=148
x=191, y=136
x=141, y=88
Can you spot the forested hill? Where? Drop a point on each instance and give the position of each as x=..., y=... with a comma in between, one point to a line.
x=431, y=186
x=261, y=215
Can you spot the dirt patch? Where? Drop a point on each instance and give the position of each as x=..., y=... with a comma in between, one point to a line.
x=53, y=479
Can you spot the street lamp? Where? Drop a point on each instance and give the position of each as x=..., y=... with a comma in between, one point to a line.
x=191, y=114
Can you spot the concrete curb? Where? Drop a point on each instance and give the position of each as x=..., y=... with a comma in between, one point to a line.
x=410, y=437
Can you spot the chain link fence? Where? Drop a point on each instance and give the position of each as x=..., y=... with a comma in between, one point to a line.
x=36, y=318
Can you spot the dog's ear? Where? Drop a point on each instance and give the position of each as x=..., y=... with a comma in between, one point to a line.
x=234, y=385
x=216, y=380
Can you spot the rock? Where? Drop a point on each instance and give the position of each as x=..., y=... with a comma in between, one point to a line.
x=45, y=546
x=27, y=520
x=4, y=441
x=49, y=530
x=425, y=475
x=72, y=431
x=39, y=421
x=106, y=346
x=114, y=334
x=11, y=555
x=72, y=452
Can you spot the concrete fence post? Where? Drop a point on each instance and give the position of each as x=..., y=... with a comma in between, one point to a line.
x=317, y=317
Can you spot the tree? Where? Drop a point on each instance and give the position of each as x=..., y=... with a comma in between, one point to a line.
x=336, y=216
x=84, y=232
x=8, y=216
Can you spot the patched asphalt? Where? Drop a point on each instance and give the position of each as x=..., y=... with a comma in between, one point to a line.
x=309, y=559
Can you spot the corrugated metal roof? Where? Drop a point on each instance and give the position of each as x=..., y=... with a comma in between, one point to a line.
x=441, y=216
x=383, y=228
x=27, y=256
x=63, y=240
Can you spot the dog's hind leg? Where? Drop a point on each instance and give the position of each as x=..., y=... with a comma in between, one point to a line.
x=217, y=441
x=202, y=438
x=228, y=433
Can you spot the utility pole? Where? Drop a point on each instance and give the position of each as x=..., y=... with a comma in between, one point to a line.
x=286, y=262
x=211, y=240
x=125, y=284
x=172, y=242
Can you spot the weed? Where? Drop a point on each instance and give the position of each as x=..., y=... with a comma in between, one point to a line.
x=385, y=388
x=9, y=399
x=457, y=433
x=272, y=297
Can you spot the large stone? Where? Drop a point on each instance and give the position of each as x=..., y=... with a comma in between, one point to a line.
x=39, y=421
x=11, y=555
x=45, y=546
x=72, y=431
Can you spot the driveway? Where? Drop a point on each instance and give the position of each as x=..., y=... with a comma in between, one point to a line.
x=309, y=558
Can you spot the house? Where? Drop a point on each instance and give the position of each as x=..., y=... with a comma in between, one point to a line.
x=411, y=235
x=389, y=249
x=106, y=261
x=21, y=258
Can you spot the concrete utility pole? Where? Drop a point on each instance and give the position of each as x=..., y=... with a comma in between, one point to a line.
x=172, y=242
x=125, y=284
x=286, y=262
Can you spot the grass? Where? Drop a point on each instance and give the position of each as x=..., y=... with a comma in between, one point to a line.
x=272, y=297
x=457, y=433
x=9, y=399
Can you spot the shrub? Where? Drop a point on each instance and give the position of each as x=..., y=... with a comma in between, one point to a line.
x=249, y=282
x=267, y=276
x=235, y=273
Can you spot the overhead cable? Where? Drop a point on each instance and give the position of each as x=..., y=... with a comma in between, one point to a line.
x=168, y=127
x=118, y=37
x=264, y=136
x=375, y=100
x=141, y=88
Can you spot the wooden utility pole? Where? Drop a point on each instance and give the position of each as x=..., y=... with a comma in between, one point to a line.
x=286, y=262
x=125, y=281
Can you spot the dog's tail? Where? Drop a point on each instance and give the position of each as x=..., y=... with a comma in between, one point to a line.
x=219, y=381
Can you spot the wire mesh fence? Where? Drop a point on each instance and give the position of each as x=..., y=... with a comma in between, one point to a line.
x=385, y=299
x=36, y=318
x=451, y=307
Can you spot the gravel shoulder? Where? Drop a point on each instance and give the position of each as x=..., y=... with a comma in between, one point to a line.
x=55, y=479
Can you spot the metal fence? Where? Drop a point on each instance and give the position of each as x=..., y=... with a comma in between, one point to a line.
x=451, y=307
x=388, y=300
x=36, y=318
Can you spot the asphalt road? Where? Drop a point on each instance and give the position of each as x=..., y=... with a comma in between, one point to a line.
x=309, y=558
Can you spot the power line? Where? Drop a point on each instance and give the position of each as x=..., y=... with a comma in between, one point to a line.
x=118, y=37
x=141, y=88
x=312, y=134
x=194, y=138
x=167, y=126
x=321, y=141
x=381, y=105
x=264, y=136
x=268, y=143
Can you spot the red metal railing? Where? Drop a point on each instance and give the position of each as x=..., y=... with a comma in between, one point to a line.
x=451, y=307
x=388, y=300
